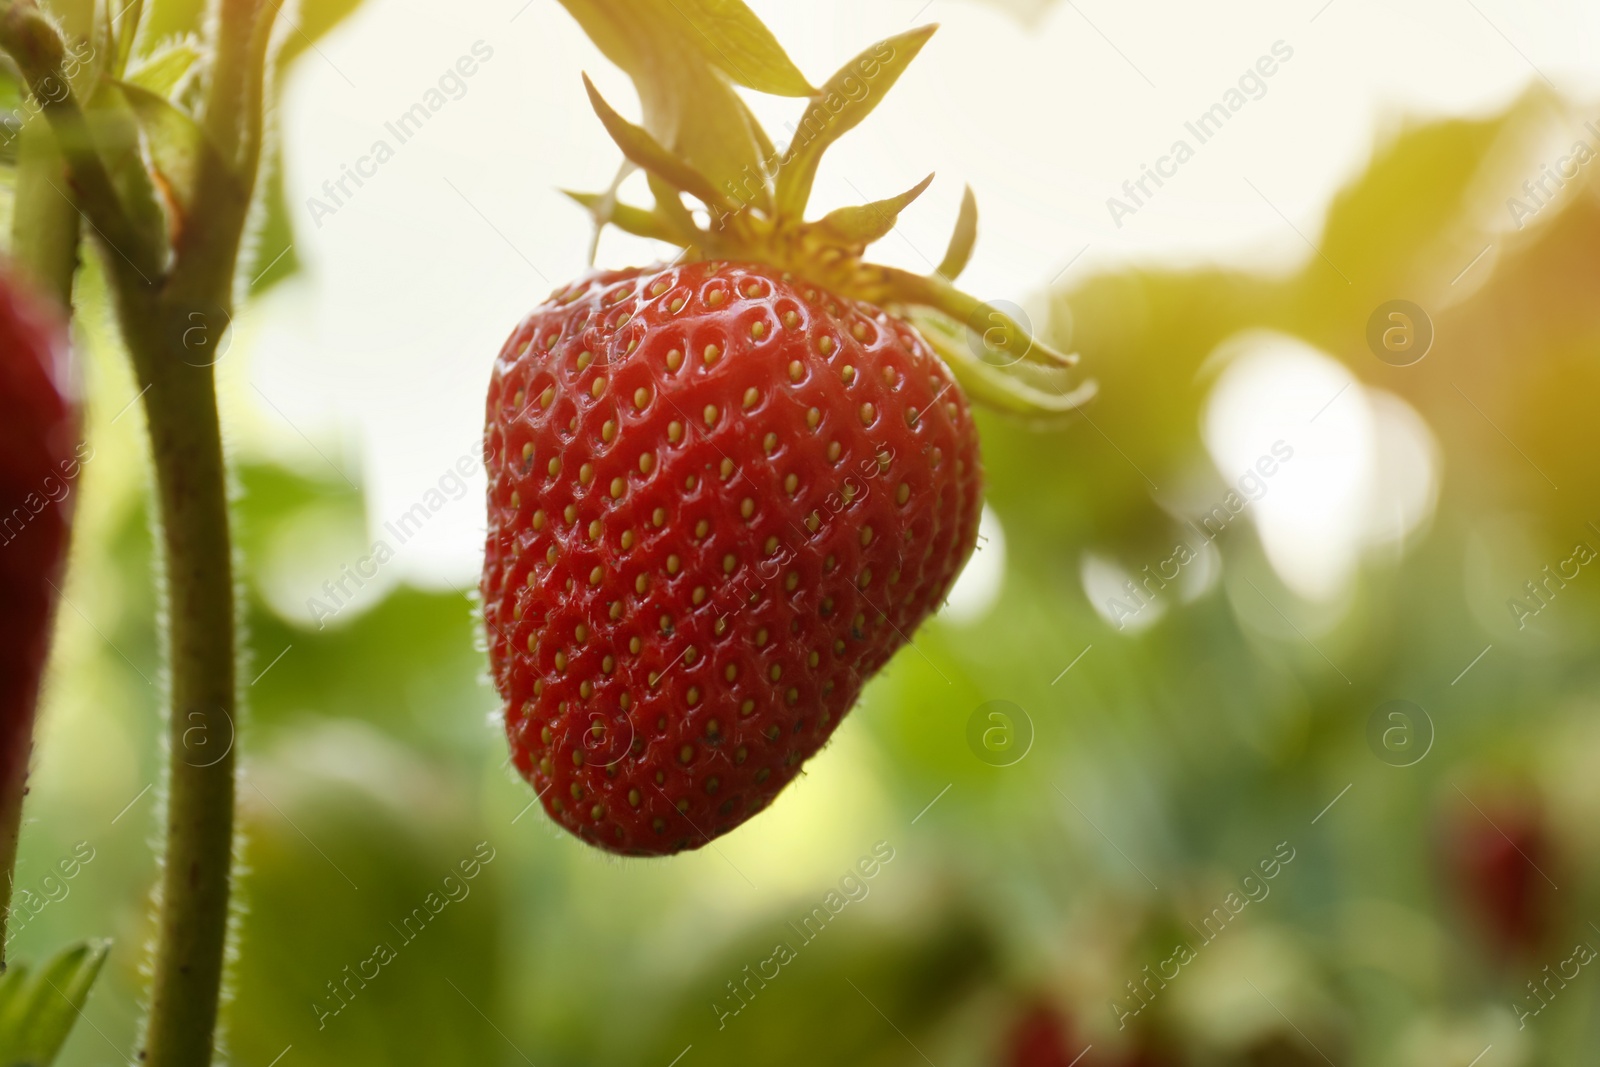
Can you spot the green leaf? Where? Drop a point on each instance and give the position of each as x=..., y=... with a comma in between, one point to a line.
x=962, y=241
x=862, y=224
x=114, y=127
x=669, y=205
x=164, y=69
x=37, y=1012
x=274, y=258
x=127, y=27
x=648, y=153
x=625, y=217
x=844, y=100
x=176, y=144
x=731, y=38
x=726, y=34
x=688, y=105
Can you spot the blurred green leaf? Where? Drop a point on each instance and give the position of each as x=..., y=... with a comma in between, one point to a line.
x=162, y=70
x=855, y=996
x=375, y=909
x=38, y=1011
x=176, y=143
x=115, y=125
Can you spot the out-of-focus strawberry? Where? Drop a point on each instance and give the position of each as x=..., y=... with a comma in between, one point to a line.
x=1498, y=858
x=39, y=462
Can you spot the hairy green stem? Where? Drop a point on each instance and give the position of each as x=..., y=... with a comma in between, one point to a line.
x=192, y=920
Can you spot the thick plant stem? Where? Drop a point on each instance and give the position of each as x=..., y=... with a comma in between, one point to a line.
x=192, y=921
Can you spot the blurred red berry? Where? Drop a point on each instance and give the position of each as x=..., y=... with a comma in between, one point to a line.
x=38, y=464
x=1497, y=858
x=1040, y=1038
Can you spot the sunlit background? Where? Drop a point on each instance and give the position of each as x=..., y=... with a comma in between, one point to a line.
x=1171, y=665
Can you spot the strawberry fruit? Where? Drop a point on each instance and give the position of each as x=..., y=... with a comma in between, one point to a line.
x=720, y=500
x=722, y=493
x=38, y=464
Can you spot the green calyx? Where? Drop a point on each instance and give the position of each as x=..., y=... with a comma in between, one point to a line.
x=699, y=139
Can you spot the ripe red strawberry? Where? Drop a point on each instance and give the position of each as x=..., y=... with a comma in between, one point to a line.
x=719, y=501
x=721, y=495
x=38, y=463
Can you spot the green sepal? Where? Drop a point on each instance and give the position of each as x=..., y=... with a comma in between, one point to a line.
x=127, y=32
x=38, y=1011
x=1006, y=342
x=648, y=153
x=635, y=220
x=855, y=91
x=861, y=224
x=670, y=207
x=962, y=241
x=1020, y=389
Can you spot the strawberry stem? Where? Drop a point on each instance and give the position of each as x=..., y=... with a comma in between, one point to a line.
x=192, y=915
x=173, y=311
